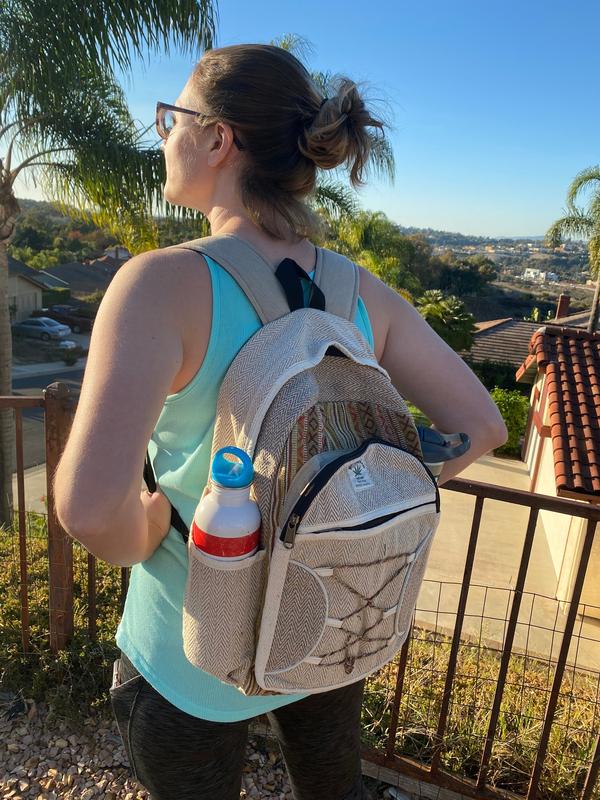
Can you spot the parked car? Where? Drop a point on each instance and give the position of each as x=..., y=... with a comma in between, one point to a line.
x=78, y=319
x=41, y=328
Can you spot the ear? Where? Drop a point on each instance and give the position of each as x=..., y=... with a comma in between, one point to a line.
x=221, y=143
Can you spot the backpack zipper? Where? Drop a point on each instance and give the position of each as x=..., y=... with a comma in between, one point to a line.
x=314, y=486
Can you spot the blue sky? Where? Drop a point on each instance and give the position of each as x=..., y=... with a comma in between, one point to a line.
x=494, y=104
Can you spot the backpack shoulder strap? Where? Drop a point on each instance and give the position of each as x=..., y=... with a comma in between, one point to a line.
x=338, y=278
x=335, y=275
x=248, y=268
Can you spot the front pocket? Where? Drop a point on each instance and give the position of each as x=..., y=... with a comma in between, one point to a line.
x=221, y=606
x=339, y=603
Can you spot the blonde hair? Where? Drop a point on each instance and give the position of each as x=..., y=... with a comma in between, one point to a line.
x=288, y=130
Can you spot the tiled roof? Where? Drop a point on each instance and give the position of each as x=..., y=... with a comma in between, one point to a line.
x=109, y=262
x=578, y=320
x=84, y=278
x=570, y=358
x=501, y=340
x=491, y=323
x=38, y=277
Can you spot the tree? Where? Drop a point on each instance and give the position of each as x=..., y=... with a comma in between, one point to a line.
x=448, y=318
x=584, y=223
x=62, y=109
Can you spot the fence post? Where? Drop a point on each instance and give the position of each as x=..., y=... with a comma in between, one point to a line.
x=60, y=405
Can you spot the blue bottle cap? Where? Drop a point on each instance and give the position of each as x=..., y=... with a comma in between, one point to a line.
x=232, y=474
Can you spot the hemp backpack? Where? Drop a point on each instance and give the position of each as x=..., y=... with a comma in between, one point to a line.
x=348, y=507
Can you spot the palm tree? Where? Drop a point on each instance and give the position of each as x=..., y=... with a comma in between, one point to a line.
x=374, y=241
x=586, y=224
x=448, y=318
x=62, y=109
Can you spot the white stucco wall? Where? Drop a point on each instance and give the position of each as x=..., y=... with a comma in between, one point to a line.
x=24, y=295
x=564, y=533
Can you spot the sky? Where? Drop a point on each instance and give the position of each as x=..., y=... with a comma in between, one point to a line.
x=494, y=105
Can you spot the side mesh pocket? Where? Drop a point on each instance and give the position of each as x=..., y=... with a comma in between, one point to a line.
x=221, y=604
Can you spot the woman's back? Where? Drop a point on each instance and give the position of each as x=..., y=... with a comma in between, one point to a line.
x=150, y=629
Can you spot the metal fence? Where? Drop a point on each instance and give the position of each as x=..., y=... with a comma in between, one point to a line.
x=476, y=717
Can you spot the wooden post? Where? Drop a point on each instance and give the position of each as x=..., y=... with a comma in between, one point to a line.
x=60, y=406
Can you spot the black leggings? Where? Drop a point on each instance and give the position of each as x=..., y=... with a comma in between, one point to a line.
x=177, y=756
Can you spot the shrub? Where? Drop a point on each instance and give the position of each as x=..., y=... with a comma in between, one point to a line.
x=514, y=408
x=496, y=373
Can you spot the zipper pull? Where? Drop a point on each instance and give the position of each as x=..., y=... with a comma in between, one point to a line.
x=290, y=531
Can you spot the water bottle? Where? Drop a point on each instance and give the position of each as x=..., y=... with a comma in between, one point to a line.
x=226, y=524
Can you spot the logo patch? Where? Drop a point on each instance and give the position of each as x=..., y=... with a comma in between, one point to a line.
x=359, y=476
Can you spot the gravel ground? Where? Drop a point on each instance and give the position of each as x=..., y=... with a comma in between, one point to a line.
x=47, y=761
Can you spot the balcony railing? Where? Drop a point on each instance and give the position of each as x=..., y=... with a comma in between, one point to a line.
x=385, y=748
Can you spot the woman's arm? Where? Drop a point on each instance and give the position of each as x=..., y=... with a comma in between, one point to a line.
x=427, y=371
x=136, y=351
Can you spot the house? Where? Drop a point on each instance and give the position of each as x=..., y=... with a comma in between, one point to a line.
x=501, y=341
x=89, y=277
x=507, y=340
x=26, y=286
x=562, y=444
x=118, y=252
x=532, y=274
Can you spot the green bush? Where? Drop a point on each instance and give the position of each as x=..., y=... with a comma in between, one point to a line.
x=514, y=408
x=56, y=296
x=496, y=373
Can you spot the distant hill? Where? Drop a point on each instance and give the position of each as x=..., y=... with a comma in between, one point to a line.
x=450, y=238
x=435, y=237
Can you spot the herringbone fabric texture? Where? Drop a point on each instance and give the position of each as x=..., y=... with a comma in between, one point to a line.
x=338, y=604
x=289, y=344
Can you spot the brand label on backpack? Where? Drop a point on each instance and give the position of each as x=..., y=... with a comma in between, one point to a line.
x=359, y=475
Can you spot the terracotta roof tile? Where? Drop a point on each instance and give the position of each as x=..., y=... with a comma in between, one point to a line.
x=570, y=358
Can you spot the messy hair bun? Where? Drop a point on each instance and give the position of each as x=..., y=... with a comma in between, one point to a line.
x=286, y=127
x=338, y=133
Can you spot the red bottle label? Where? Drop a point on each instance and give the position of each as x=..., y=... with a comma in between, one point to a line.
x=224, y=546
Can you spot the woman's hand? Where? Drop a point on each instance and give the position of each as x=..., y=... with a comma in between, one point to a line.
x=158, y=514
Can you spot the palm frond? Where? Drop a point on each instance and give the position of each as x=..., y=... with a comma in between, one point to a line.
x=594, y=257
x=334, y=198
x=582, y=180
x=45, y=44
x=297, y=45
x=381, y=158
x=574, y=223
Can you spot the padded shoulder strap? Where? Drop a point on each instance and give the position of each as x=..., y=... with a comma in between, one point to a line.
x=335, y=275
x=338, y=278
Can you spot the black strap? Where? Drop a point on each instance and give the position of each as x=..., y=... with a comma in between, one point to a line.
x=290, y=275
x=176, y=520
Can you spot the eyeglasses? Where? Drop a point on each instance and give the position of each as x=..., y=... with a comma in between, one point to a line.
x=165, y=121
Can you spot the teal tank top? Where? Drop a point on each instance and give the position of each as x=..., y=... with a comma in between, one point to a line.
x=150, y=630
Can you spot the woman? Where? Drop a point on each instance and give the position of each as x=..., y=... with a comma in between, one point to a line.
x=249, y=131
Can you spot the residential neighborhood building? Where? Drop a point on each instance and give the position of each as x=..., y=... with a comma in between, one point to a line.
x=507, y=340
x=562, y=445
x=94, y=275
x=26, y=286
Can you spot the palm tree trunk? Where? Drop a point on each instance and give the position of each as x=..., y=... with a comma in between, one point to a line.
x=593, y=323
x=9, y=210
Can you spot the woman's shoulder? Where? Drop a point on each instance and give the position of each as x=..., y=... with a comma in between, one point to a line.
x=171, y=273
x=376, y=298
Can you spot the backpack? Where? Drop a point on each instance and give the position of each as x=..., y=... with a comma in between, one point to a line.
x=349, y=508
